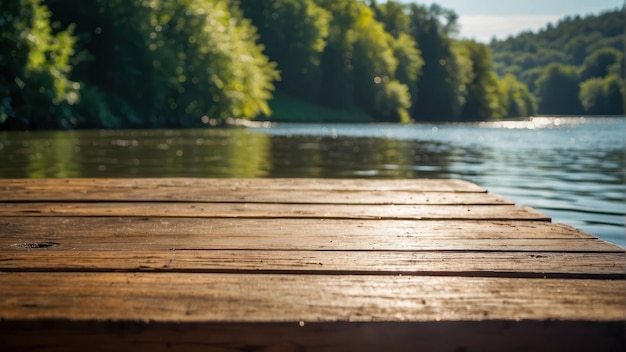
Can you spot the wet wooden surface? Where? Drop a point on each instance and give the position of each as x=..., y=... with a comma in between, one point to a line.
x=297, y=265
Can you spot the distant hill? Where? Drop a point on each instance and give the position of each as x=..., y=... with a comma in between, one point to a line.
x=586, y=52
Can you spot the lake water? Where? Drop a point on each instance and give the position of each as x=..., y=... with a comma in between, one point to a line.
x=572, y=169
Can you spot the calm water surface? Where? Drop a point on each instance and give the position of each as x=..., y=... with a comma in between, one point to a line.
x=572, y=169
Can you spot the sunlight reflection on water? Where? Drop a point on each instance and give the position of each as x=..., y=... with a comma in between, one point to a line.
x=535, y=123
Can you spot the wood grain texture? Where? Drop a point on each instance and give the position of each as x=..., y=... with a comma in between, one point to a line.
x=297, y=264
x=128, y=234
x=180, y=194
x=288, y=191
x=103, y=227
x=114, y=229
x=256, y=210
x=189, y=297
x=428, y=263
x=9, y=186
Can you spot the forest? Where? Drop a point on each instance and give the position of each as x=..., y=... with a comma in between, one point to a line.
x=66, y=64
x=573, y=67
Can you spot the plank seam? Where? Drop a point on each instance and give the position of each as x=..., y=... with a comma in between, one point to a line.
x=309, y=272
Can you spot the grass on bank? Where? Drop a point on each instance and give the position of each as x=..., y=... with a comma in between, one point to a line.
x=286, y=108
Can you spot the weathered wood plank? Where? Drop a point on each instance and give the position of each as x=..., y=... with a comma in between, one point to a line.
x=137, y=234
x=130, y=229
x=297, y=184
x=489, y=336
x=259, y=210
x=192, y=297
x=477, y=264
x=175, y=258
x=179, y=194
x=308, y=243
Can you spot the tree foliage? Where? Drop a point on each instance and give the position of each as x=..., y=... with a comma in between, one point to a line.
x=516, y=99
x=440, y=87
x=601, y=63
x=481, y=100
x=294, y=34
x=410, y=64
x=35, y=91
x=220, y=71
x=337, y=54
x=396, y=21
x=159, y=63
x=576, y=37
x=184, y=63
x=602, y=96
x=592, y=46
x=557, y=90
x=374, y=69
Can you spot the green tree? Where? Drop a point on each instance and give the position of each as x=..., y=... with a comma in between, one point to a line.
x=482, y=100
x=600, y=63
x=359, y=64
x=35, y=91
x=592, y=96
x=578, y=47
x=168, y=63
x=440, y=93
x=114, y=63
x=220, y=70
x=594, y=44
x=374, y=69
x=294, y=34
x=336, y=82
x=602, y=96
x=410, y=63
x=615, y=92
x=396, y=21
x=529, y=78
x=396, y=103
x=557, y=90
x=545, y=57
x=394, y=16
x=516, y=99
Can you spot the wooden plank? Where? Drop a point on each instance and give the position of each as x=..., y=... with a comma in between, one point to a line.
x=192, y=297
x=297, y=184
x=258, y=210
x=129, y=229
x=179, y=194
x=476, y=264
x=491, y=335
x=151, y=264
x=300, y=243
x=137, y=234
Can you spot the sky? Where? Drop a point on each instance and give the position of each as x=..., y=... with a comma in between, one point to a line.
x=483, y=19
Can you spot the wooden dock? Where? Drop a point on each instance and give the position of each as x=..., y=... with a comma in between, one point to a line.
x=297, y=265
